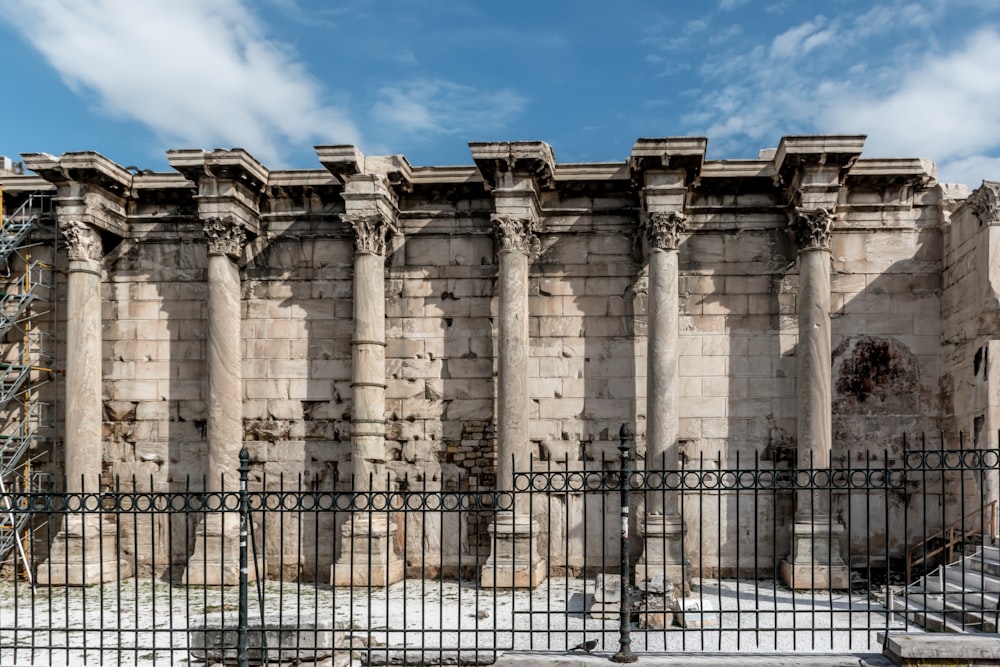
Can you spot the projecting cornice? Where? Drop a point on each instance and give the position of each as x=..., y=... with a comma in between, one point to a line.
x=668, y=153
x=90, y=188
x=345, y=161
x=494, y=159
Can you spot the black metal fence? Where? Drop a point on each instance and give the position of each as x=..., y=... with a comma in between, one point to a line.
x=277, y=574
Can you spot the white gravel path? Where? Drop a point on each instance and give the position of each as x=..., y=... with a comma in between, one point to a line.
x=143, y=622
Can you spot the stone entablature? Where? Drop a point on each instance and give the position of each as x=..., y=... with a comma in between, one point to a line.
x=903, y=258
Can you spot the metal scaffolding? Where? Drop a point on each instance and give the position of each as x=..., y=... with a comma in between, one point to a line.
x=27, y=345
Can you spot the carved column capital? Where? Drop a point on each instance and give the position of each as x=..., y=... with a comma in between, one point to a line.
x=371, y=233
x=663, y=229
x=512, y=233
x=985, y=203
x=225, y=237
x=82, y=241
x=812, y=227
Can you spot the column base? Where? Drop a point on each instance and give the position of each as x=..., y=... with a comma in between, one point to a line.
x=514, y=561
x=369, y=557
x=816, y=563
x=84, y=552
x=216, y=557
x=663, y=569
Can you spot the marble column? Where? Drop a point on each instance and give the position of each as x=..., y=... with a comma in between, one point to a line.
x=83, y=552
x=514, y=560
x=662, y=568
x=815, y=562
x=369, y=556
x=215, y=560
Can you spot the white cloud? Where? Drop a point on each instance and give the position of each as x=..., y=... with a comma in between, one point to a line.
x=729, y=5
x=197, y=73
x=802, y=39
x=426, y=107
x=891, y=71
x=944, y=107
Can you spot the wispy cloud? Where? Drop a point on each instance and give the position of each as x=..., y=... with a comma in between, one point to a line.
x=933, y=94
x=945, y=105
x=197, y=73
x=427, y=107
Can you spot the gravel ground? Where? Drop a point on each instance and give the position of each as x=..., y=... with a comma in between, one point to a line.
x=142, y=622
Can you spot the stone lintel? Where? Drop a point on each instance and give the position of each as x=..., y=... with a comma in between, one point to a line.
x=89, y=188
x=230, y=183
x=686, y=154
x=499, y=161
x=893, y=171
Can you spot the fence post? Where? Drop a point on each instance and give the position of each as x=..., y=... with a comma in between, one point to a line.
x=242, y=657
x=624, y=613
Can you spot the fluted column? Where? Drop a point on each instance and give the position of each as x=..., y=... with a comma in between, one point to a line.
x=215, y=560
x=815, y=561
x=369, y=556
x=83, y=552
x=514, y=559
x=662, y=567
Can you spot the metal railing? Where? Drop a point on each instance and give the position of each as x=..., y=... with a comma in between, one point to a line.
x=160, y=588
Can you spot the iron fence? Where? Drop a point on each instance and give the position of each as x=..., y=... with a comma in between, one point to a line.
x=271, y=573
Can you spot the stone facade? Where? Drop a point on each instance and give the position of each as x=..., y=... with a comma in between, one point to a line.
x=519, y=286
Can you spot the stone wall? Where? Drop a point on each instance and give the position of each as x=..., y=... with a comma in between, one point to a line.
x=911, y=343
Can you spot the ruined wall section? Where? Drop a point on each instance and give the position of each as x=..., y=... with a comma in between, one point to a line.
x=154, y=300
x=737, y=298
x=440, y=354
x=886, y=304
x=969, y=317
x=587, y=373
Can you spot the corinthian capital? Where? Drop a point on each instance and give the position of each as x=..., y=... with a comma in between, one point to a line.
x=812, y=228
x=82, y=241
x=663, y=229
x=514, y=234
x=225, y=237
x=985, y=202
x=371, y=233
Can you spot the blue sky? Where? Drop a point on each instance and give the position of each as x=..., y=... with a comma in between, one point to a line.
x=133, y=78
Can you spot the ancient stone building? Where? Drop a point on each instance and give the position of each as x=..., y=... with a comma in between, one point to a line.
x=395, y=322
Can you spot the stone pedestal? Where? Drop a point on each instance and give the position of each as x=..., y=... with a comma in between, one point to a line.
x=514, y=561
x=663, y=569
x=216, y=557
x=816, y=563
x=369, y=556
x=85, y=552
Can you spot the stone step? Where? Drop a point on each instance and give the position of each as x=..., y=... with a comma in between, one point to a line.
x=925, y=616
x=929, y=613
x=987, y=560
x=969, y=579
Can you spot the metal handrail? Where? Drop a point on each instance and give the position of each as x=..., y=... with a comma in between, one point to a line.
x=951, y=540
